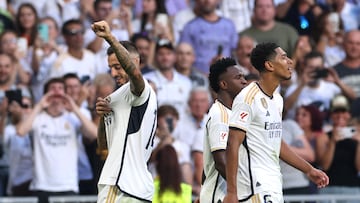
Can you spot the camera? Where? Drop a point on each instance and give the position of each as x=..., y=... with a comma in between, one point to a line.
x=321, y=73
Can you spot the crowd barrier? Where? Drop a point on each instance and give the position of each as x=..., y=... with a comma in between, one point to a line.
x=93, y=198
x=321, y=198
x=18, y=200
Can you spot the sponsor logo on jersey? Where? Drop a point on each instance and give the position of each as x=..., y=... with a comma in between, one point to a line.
x=244, y=116
x=223, y=137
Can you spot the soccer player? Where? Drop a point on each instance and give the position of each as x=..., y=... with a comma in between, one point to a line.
x=226, y=79
x=128, y=122
x=254, y=143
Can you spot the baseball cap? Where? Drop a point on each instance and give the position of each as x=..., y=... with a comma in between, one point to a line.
x=339, y=103
x=164, y=43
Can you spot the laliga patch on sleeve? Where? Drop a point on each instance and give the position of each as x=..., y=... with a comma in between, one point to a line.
x=223, y=137
x=243, y=116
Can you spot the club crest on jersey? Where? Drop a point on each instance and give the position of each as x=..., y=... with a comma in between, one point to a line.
x=223, y=137
x=264, y=103
x=243, y=116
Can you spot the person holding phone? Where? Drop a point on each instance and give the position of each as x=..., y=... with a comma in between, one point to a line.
x=18, y=150
x=314, y=86
x=166, y=134
x=9, y=45
x=339, y=154
x=47, y=49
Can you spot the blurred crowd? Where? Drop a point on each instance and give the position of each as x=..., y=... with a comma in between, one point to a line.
x=48, y=50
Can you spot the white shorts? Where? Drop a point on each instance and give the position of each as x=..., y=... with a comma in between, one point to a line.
x=112, y=194
x=266, y=197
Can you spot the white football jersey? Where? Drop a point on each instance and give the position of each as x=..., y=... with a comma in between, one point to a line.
x=130, y=130
x=260, y=116
x=216, y=135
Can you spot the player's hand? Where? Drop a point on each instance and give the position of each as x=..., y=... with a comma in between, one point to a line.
x=102, y=106
x=230, y=198
x=318, y=177
x=101, y=29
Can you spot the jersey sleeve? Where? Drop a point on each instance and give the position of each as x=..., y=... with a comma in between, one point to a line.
x=125, y=93
x=241, y=115
x=218, y=131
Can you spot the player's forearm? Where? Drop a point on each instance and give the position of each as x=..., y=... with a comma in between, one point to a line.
x=287, y=155
x=136, y=80
x=101, y=136
x=232, y=162
x=220, y=162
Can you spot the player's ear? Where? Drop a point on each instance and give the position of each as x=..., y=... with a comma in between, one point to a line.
x=269, y=66
x=222, y=84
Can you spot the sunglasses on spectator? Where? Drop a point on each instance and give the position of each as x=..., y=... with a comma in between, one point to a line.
x=74, y=32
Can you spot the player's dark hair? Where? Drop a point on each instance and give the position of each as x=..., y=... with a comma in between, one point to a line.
x=217, y=69
x=129, y=46
x=261, y=53
x=168, y=168
x=52, y=81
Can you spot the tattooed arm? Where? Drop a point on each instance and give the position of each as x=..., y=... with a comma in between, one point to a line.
x=128, y=61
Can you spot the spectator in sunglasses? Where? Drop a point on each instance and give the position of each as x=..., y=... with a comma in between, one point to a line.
x=76, y=59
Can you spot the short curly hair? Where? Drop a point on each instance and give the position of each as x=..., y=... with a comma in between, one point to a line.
x=262, y=53
x=217, y=69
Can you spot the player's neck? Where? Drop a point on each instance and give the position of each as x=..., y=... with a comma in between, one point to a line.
x=268, y=86
x=225, y=99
